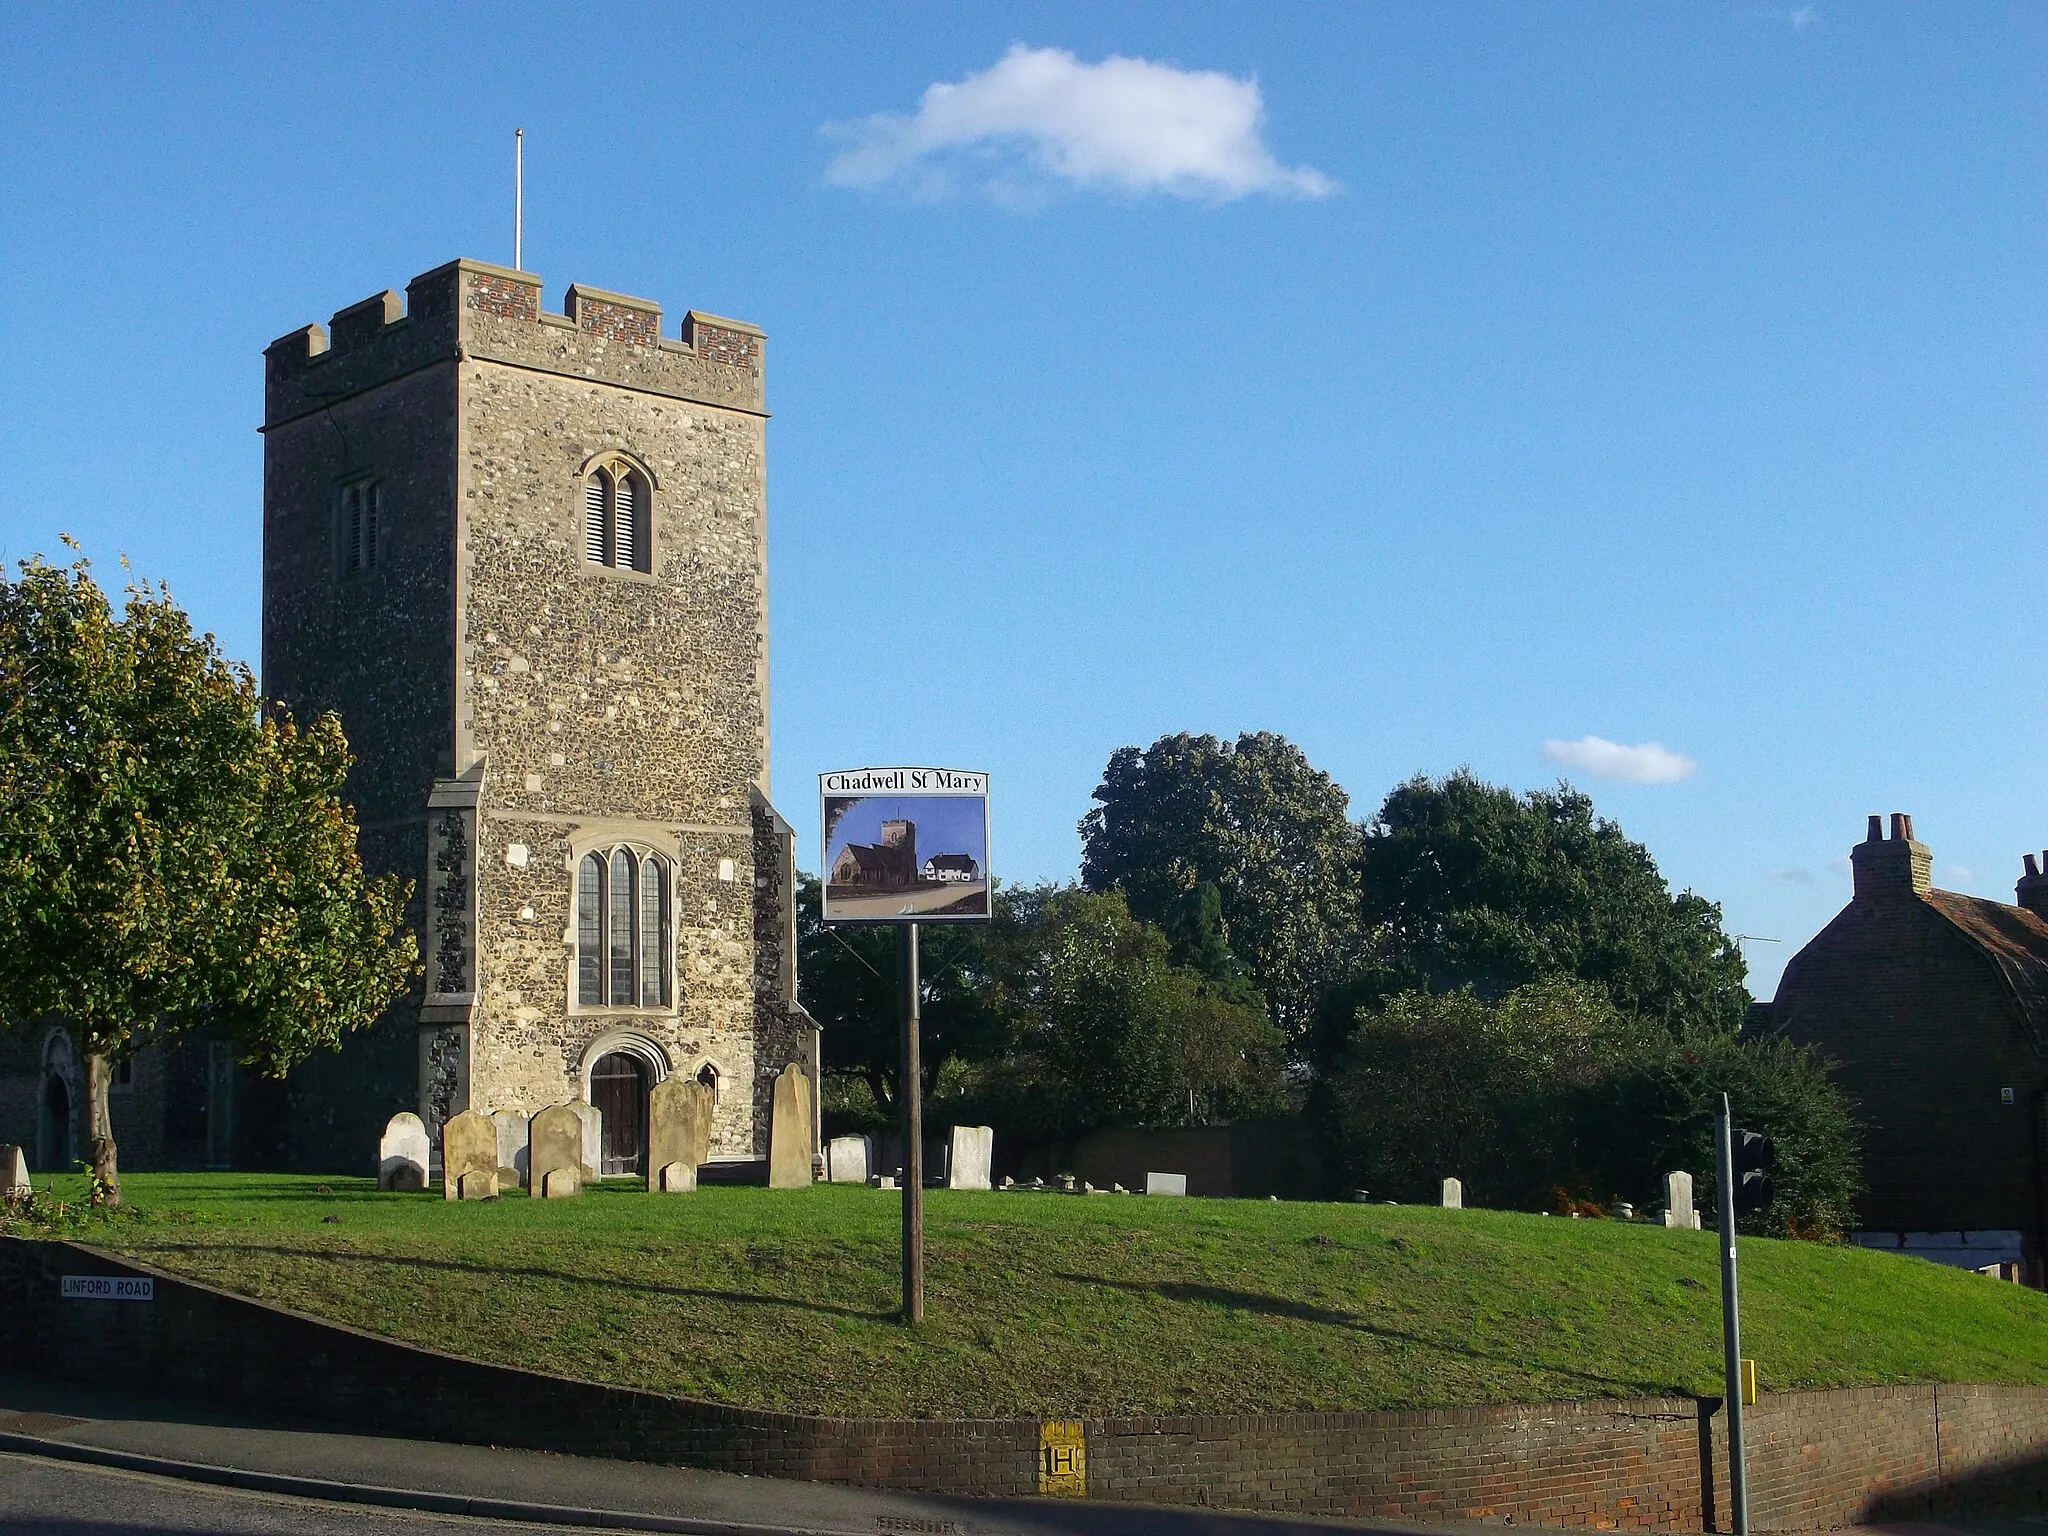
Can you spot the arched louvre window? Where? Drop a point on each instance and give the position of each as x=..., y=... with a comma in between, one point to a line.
x=623, y=930
x=356, y=536
x=618, y=527
x=597, y=518
x=626, y=523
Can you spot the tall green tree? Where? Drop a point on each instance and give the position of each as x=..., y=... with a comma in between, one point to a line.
x=172, y=860
x=1257, y=821
x=1126, y=1036
x=1463, y=883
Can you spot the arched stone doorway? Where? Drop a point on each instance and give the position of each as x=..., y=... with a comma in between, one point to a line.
x=619, y=1085
x=53, y=1127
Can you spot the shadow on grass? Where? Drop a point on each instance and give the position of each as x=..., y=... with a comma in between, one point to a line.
x=528, y=1272
x=1330, y=1317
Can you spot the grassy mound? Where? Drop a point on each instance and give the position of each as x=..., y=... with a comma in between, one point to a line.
x=1053, y=1305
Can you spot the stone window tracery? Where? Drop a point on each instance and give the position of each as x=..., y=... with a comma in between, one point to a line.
x=618, y=528
x=623, y=930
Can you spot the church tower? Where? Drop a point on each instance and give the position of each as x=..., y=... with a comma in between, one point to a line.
x=523, y=556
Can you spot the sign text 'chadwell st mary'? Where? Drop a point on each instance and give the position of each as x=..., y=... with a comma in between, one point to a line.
x=905, y=845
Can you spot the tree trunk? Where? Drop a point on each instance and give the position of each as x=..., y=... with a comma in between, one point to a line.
x=106, y=1167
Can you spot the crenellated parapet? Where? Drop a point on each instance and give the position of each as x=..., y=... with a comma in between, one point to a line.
x=474, y=311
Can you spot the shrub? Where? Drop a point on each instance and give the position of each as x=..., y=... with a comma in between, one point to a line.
x=1553, y=1094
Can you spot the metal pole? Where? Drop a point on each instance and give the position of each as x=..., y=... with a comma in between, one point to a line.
x=913, y=1133
x=1731, y=1316
x=518, y=199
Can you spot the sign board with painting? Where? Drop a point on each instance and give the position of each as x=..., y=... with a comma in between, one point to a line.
x=905, y=845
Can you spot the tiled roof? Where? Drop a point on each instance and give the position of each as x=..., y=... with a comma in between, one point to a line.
x=2017, y=942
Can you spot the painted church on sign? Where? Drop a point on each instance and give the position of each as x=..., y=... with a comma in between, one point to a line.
x=522, y=555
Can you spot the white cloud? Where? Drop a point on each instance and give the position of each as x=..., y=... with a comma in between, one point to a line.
x=1803, y=17
x=1796, y=876
x=1960, y=874
x=1041, y=117
x=1648, y=763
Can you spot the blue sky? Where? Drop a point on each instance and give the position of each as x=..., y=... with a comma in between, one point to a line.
x=1487, y=376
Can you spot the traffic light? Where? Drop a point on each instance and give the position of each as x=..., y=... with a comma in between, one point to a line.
x=1753, y=1162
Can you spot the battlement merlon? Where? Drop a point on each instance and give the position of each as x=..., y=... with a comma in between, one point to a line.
x=472, y=310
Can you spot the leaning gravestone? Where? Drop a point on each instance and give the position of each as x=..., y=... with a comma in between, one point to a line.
x=14, y=1183
x=402, y=1153
x=789, y=1130
x=593, y=1138
x=967, y=1157
x=1454, y=1195
x=554, y=1152
x=847, y=1159
x=678, y=1129
x=511, y=1148
x=1678, y=1206
x=469, y=1157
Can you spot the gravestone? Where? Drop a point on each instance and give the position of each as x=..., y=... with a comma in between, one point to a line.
x=967, y=1156
x=847, y=1159
x=469, y=1157
x=1678, y=1206
x=592, y=1151
x=1166, y=1183
x=14, y=1183
x=1454, y=1195
x=789, y=1130
x=511, y=1148
x=678, y=1131
x=402, y=1154
x=554, y=1152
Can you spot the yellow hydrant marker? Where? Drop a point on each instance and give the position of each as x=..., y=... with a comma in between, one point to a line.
x=1062, y=1458
x=1748, y=1383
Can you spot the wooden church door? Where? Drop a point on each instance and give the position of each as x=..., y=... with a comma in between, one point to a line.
x=618, y=1087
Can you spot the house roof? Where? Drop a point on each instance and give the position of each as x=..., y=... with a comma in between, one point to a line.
x=2016, y=941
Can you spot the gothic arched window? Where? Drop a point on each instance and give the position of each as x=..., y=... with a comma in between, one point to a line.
x=618, y=522
x=622, y=930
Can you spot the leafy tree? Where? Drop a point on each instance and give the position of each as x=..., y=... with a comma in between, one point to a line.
x=1466, y=884
x=1553, y=1091
x=1439, y=1085
x=1253, y=819
x=1784, y=1090
x=1129, y=1037
x=171, y=860
x=1061, y=1014
x=847, y=974
x=1194, y=935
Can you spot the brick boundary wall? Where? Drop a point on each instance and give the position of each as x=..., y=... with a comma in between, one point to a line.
x=1817, y=1459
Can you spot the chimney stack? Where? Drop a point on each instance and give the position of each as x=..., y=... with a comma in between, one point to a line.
x=1889, y=867
x=2032, y=891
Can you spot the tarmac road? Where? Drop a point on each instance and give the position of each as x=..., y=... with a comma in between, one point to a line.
x=51, y=1499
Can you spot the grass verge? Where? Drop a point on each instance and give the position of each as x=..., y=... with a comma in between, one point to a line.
x=1059, y=1306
